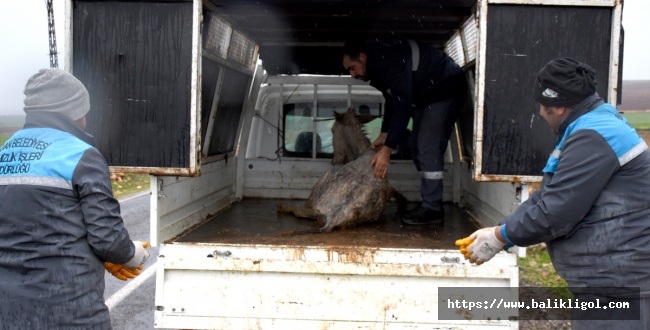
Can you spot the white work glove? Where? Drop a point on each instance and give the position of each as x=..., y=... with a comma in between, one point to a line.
x=140, y=256
x=485, y=245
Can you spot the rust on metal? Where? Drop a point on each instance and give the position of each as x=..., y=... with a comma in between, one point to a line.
x=507, y=178
x=162, y=171
x=356, y=254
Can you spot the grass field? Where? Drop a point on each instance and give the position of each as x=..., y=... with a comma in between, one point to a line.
x=125, y=184
x=4, y=137
x=638, y=120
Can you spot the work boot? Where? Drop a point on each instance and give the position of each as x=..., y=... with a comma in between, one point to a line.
x=424, y=216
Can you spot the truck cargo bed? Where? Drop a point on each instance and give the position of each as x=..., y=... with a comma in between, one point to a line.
x=246, y=268
x=255, y=221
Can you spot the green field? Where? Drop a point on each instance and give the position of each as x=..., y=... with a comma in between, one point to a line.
x=8, y=125
x=639, y=120
x=4, y=138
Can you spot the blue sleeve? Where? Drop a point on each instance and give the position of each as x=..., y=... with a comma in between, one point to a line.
x=585, y=167
x=505, y=235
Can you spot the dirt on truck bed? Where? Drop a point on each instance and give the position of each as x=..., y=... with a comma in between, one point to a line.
x=255, y=221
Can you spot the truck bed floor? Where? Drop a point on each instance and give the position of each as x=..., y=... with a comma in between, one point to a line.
x=255, y=221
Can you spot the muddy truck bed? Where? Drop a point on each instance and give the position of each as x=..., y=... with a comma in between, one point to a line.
x=255, y=221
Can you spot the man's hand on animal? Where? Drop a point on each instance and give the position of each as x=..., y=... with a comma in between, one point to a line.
x=482, y=245
x=381, y=161
x=379, y=141
x=121, y=272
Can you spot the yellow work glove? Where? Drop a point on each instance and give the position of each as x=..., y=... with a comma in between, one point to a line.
x=120, y=271
x=123, y=272
x=463, y=243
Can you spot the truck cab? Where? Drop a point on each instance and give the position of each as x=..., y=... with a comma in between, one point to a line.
x=228, y=106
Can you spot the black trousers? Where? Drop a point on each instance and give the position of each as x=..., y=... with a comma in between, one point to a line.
x=432, y=127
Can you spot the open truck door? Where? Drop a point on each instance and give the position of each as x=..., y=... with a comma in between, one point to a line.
x=156, y=73
x=174, y=91
x=516, y=39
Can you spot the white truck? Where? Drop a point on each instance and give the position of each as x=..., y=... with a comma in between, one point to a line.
x=226, y=104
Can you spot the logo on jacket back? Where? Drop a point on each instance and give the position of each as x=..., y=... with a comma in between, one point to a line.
x=550, y=93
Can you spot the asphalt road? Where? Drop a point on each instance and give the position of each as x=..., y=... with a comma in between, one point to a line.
x=131, y=303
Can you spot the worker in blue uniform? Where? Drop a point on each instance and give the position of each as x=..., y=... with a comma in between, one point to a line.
x=593, y=207
x=60, y=225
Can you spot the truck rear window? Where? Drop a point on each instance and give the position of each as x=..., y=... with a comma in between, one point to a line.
x=303, y=123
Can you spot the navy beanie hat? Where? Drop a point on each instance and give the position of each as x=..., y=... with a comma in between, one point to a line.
x=564, y=82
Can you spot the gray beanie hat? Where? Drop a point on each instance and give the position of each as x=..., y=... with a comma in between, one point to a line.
x=57, y=91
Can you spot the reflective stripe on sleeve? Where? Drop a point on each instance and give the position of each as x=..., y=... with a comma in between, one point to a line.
x=415, y=55
x=556, y=153
x=36, y=181
x=632, y=153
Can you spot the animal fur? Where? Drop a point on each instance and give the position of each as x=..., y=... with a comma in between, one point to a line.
x=348, y=194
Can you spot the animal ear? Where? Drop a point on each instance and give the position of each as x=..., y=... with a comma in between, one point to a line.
x=338, y=116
